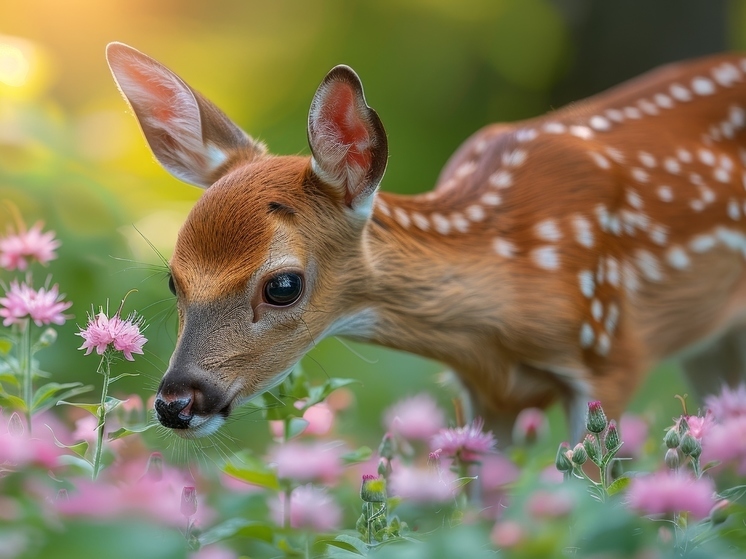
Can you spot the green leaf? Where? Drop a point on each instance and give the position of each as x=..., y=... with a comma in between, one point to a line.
x=462, y=481
x=78, y=448
x=90, y=408
x=77, y=462
x=112, y=403
x=13, y=402
x=237, y=527
x=356, y=456
x=126, y=431
x=734, y=493
x=116, y=378
x=296, y=426
x=317, y=394
x=349, y=543
x=252, y=470
x=46, y=396
x=9, y=378
x=618, y=485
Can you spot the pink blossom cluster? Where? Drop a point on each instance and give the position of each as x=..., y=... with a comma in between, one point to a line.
x=670, y=492
x=467, y=443
x=311, y=507
x=18, y=449
x=415, y=418
x=16, y=250
x=102, y=332
x=45, y=306
x=724, y=435
x=430, y=484
x=305, y=462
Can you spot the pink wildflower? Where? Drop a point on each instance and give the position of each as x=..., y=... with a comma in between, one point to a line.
x=418, y=417
x=19, y=449
x=530, y=424
x=307, y=462
x=16, y=250
x=550, y=504
x=669, y=492
x=731, y=402
x=43, y=307
x=634, y=431
x=310, y=507
x=423, y=485
x=467, y=442
x=726, y=443
x=102, y=331
x=699, y=425
x=507, y=534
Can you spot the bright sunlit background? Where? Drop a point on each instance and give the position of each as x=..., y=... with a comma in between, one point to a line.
x=435, y=70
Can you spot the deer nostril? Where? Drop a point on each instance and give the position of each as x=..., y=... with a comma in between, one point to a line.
x=175, y=414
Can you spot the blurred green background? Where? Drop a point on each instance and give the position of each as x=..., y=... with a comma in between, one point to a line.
x=435, y=70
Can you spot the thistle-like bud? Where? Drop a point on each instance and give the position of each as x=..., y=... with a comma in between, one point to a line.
x=683, y=426
x=579, y=455
x=612, y=440
x=672, y=458
x=188, y=501
x=720, y=512
x=672, y=438
x=690, y=446
x=563, y=460
x=591, y=448
x=373, y=489
x=596, y=420
x=386, y=449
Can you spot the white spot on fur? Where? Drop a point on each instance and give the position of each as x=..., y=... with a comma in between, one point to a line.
x=671, y=165
x=612, y=318
x=466, y=169
x=555, y=128
x=634, y=199
x=582, y=132
x=599, y=123
x=442, y=224
x=615, y=154
x=504, y=248
x=647, y=159
x=703, y=86
x=726, y=74
x=583, y=232
x=697, y=205
x=721, y=175
x=612, y=271
x=587, y=283
x=475, y=213
x=514, y=158
x=526, y=134
x=648, y=265
x=615, y=114
x=604, y=344
x=401, y=217
x=647, y=107
x=600, y=160
x=659, y=234
x=629, y=277
x=640, y=175
x=460, y=223
x=663, y=101
x=602, y=213
x=677, y=258
x=734, y=210
x=420, y=221
x=632, y=112
x=546, y=257
x=706, y=157
x=548, y=230
x=684, y=155
x=587, y=336
x=680, y=93
x=491, y=199
x=665, y=193
x=501, y=179
x=702, y=243
x=597, y=310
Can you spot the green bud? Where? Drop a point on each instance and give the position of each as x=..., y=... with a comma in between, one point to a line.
x=386, y=449
x=596, y=418
x=562, y=461
x=591, y=448
x=672, y=458
x=690, y=446
x=579, y=455
x=720, y=512
x=672, y=438
x=612, y=436
x=373, y=489
x=48, y=337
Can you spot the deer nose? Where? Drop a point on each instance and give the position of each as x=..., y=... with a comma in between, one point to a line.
x=174, y=412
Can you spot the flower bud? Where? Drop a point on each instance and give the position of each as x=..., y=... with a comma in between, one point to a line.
x=188, y=501
x=672, y=438
x=690, y=446
x=384, y=468
x=672, y=458
x=15, y=425
x=683, y=426
x=154, y=468
x=720, y=512
x=48, y=337
x=596, y=418
x=386, y=449
x=591, y=448
x=562, y=461
x=373, y=489
x=579, y=455
x=612, y=440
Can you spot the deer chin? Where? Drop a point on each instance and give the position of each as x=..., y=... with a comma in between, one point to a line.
x=201, y=426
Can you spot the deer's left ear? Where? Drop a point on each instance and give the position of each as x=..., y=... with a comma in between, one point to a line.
x=347, y=139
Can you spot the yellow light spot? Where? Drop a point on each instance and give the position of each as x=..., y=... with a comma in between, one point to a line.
x=14, y=65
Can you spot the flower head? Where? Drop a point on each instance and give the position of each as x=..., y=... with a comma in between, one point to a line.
x=530, y=424
x=669, y=492
x=466, y=442
x=418, y=417
x=731, y=402
x=16, y=250
x=44, y=307
x=423, y=485
x=307, y=462
x=596, y=418
x=310, y=507
x=123, y=335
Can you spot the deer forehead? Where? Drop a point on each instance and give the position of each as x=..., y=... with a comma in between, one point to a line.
x=240, y=227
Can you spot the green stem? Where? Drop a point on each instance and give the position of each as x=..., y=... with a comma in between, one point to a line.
x=105, y=369
x=603, y=468
x=24, y=363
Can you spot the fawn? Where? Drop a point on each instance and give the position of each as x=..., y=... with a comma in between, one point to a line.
x=557, y=258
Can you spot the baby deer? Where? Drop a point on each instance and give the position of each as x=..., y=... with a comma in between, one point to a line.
x=558, y=258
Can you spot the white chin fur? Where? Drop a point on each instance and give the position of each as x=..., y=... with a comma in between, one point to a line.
x=201, y=426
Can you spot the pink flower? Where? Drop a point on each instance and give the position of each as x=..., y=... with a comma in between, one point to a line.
x=418, y=417
x=507, y=534
x=320, y=419
x=699, y=426
x=530, y=424
x=124, y=335
x=550, y=504
x=634, y=432
x=731, y=402
x=497, y=471
x=307, y=462
x=422, y=485
x=310, y=507
x=467, y=442
x=669, y=492
x=43, y=306
x=19, y=449
x=16, y=250
x=726, y=443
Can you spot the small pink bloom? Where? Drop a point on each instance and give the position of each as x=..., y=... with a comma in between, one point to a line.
x=467, y=442
x=507, y=534
x=422, y=485
x=310, y=507
x=530, y=424
x=418, y=417
x=19, y=449
x=669, y=492
x=731, y=402
x=726, y=443
x=699, y=426
x=320, y=419
x=43, y=307
x=497, y=471
x=634, y=433
x=17, y=249
x=550, y=504
x=307, y=461
x=102, y=332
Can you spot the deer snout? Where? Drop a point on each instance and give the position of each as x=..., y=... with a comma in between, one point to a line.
x=187, y=400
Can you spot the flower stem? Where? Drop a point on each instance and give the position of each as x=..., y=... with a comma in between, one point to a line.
x=105, y=369
x=24, y=363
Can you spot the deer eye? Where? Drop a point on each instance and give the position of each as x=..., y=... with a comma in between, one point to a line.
x=171, y=284
x=283, y=289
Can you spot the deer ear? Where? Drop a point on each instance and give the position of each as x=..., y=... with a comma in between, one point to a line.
x=347, y=139
x=189, y=135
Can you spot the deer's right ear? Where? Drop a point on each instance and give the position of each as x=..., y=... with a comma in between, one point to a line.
x=347, y=139
x=189, y=135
